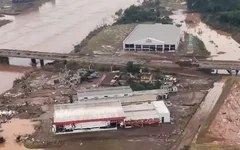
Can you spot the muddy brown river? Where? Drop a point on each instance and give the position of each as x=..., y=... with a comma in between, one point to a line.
x=55, y=27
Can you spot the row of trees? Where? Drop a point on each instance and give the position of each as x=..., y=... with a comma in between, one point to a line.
x=213, y=6
x=220, y=14
x=148, y=11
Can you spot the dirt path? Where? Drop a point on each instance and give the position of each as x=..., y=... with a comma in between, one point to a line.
x=199, y=117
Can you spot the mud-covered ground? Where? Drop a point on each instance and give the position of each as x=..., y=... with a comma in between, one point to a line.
x=225, y=128
x=37, y=104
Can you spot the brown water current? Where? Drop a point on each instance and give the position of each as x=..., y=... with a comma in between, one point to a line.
x=14, y=128
x=220, y=44
x=6, y=80
x=56, y=27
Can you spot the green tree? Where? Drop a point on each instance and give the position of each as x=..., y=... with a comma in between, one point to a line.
x=145, y=69
x=132, y=68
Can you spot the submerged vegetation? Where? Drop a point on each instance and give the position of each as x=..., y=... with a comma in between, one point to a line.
x=220, y=14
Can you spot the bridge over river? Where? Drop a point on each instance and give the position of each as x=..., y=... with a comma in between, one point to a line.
x=100, y=59
x=219, y=64
x=97, y=59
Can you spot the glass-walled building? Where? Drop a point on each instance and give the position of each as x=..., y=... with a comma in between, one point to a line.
x=153, y=37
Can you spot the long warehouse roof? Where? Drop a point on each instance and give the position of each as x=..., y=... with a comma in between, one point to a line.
x=104, y=91
x=88, y=112
x=165, y=33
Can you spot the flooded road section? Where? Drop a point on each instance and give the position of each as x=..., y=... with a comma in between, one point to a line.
x=56, y=27
x=14, y=128
x=220, y=44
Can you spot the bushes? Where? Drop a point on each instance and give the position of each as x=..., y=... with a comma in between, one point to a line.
x=145, y=86
x=150, y=12
x=132, y=68
x=218, y=13
x=213, y=6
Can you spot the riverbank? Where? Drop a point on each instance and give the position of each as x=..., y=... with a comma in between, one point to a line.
x=111, y=36
x=217, y=25
x=220, y=44
x=219, y=15
x=4, y=20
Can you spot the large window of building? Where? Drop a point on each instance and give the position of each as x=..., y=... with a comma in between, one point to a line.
x=166, y=47
x=152, y=47
x=146, y=47
x=138, y=47
x=172, y=47
x=129, y=47
x=159, y=47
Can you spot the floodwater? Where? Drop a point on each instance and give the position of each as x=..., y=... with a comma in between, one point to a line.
x=14, y=128
x=220, y=44
x=6, y=80
x=54, y=27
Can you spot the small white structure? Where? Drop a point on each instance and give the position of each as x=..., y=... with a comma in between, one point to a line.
x=99, y=93
x=153, y=37
x=163, y=111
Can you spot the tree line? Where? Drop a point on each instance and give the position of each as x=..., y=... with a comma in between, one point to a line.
x=221, y=14
x=148, y=11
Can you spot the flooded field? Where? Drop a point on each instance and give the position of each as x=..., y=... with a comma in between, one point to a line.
x=220, y=44
x=14, y=128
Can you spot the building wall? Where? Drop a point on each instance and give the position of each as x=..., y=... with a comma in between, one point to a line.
x=80, y=97
x=166, y=117
x=158, y=47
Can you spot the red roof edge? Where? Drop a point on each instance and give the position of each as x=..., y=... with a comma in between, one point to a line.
x=90, y=120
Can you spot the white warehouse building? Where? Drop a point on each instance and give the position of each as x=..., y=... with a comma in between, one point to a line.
x=153, y=37
x=106, y=92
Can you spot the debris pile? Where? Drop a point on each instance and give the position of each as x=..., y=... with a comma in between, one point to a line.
x=6, y=115
x=22, y=138
x=2, y=139
x=73, y=79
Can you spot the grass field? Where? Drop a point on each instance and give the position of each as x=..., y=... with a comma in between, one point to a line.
x=108, y=40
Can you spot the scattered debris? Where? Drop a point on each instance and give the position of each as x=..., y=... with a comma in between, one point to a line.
x=2, y=140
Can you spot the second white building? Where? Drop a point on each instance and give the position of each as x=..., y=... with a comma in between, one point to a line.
x=153, y=37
